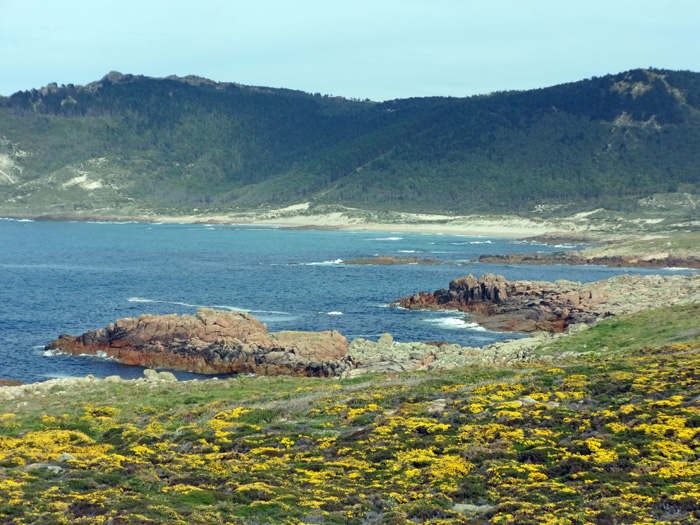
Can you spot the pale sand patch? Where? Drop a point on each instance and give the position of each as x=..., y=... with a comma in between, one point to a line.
x=514, y=227
x=495, y=228
x=294, y=207
x=83, y=182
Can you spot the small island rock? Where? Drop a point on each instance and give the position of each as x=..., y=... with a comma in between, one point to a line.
x=210, y=342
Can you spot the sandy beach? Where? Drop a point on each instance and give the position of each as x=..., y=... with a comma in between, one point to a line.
x=511, y=227
x=302, y=216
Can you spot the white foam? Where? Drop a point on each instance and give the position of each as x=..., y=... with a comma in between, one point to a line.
x=470, y=242
x=183, y=304
x=218, y=306
x=15, y=220
x=273, y=312
x=107, y=222
x=231, y=308
x=335, y=313
x=238, y=309
x=99, y=355
x=454, y=323
x=386, y=239
x=323, y=263
x=407, y=251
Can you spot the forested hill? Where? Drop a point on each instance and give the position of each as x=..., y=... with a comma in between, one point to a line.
x=182, y=143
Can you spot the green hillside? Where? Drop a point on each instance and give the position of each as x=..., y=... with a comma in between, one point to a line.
x=139, y=143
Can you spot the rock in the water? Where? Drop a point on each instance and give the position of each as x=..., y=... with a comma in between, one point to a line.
x=10, y=382
x=210, y=342
x=657, y=260
x=530, y=306
x=390, y=259
x=167, y=376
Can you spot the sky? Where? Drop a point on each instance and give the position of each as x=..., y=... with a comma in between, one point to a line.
x=375, y=49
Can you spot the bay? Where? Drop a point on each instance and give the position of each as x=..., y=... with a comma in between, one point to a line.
x=65, y=277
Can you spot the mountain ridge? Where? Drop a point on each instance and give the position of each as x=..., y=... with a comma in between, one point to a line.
x=178, y=143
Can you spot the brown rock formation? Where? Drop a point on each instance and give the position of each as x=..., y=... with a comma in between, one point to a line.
x=210, y=342
x=579, y=258
x=527, y=306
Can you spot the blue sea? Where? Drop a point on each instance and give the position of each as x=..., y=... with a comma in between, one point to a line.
x=70, y=277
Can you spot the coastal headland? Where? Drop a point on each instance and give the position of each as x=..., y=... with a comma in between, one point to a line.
x=601, y=394
x=222, y=342
x=530, y=306
x=588, y=416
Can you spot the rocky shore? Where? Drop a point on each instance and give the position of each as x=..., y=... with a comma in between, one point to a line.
x=210, y=342
x=529, y=306
x=223, y=342
x=581, y=258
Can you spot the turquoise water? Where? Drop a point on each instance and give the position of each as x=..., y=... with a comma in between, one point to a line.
x=63, y=277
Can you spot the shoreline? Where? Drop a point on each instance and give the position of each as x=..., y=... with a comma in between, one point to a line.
x=630, y=245
x=477, y=226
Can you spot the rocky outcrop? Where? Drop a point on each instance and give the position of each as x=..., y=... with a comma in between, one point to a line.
x=580, y=258
x=390, y=259
x=386, y=355
x=210, y=342
x=215, y=342
x=528, y=306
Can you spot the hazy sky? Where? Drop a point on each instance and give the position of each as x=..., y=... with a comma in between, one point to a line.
x=377, y=49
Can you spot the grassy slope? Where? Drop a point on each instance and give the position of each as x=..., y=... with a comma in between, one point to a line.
x=610, y=440
x=619, y=334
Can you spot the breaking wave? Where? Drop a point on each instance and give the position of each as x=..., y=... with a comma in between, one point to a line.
x=454, y=323
x=216, y=306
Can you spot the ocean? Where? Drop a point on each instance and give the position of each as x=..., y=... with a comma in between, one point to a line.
x=70, y=277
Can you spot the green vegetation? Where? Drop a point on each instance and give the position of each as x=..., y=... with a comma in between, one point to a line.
x=622, y=333
x=177, y=144
x=609, y=438
x=612, y=440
